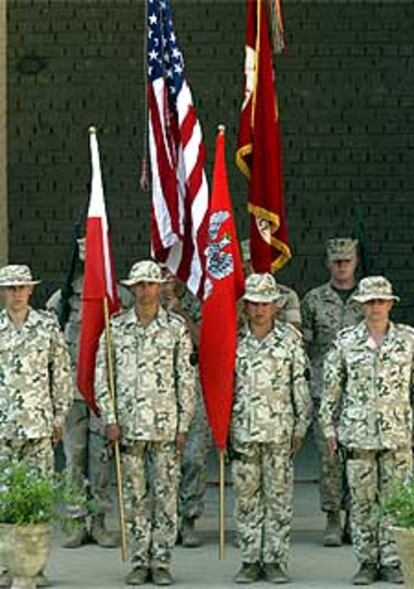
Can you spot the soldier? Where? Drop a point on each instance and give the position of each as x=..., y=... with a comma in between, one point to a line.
x=35, y=380
x=193, y=479
x=155, y=404
x=289, y=305
x=367, y=410
x=84, y=441
x=270, y=416
x=325, y=311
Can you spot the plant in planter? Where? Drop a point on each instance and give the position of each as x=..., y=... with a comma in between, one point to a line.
x=399, y=506
x=29, y=503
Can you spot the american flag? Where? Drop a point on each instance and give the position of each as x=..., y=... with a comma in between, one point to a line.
x=180, y=198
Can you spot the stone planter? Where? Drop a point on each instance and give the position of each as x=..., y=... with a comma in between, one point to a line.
x=23, y=552
x=404, y=538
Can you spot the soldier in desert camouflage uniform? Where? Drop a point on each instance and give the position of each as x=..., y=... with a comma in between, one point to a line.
x=326, y=310
x=367, y=408
x=271, y=413
x=193, y=479
x=35, y=380
x=84, y=441
x=289, y=305
x=155, y=403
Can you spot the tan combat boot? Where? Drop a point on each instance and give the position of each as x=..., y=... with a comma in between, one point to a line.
x=189, y=538
x=366, y=575
x=103, y=537
x=250, y=572
x=332, y=534
x=77, y=536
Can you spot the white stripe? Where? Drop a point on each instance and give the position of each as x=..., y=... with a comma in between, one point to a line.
x=97, y=209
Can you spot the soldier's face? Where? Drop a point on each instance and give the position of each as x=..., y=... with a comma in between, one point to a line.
x=343, y=270
x=261, y=314
x=16, y=298
x=377, y=310
x=147, y=293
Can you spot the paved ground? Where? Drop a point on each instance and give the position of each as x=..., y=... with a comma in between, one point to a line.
x=312, y=565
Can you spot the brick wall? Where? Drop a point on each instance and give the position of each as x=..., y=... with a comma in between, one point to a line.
x=346, y=104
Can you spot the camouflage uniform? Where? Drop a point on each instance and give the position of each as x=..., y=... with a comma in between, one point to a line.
x=324, y=314
x=155, y=399
x=35, y=387
x=84, y=442
x=271, y=405
x=366, y=404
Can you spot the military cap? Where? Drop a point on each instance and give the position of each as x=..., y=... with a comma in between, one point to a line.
x=144, y=271
x=374, y=287
x=16, y=275
x=341, y=248
x=262, y=288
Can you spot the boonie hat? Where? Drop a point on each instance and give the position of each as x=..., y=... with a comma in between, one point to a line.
x=144, y=271
x=16, y=275
x=341, y=248
x=261, y=288
x=374, y=287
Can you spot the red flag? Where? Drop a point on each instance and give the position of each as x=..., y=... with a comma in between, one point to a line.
x=224, y=285
x=259, y=152
x=99, y=281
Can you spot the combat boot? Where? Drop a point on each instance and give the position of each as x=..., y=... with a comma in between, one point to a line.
x=273, y=573
x=250, y=572
x=332, y=533
x=391, y=574
x=77, y=536
x=103, y=537
x=41, y=580
x=161, y=576
x=189, y=538
x=366, y=575
x=5, y=580
x=138, y=576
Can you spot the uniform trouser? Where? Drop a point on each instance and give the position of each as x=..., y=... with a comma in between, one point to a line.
x=193, y=480
x=333, y=488
x=36, y=453
x=150, y=490
x=262, y=482
x=86, y=456
x=371, y=476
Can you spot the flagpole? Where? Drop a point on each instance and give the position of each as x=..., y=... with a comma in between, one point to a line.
x=222, y=552
x=111, y=383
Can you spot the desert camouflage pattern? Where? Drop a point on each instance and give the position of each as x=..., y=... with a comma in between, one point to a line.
x=371, y=476
x=36, y=387
x=37, y=454
x=367, y=400
x=150, y=485
x=290, y=312
x=272, y=403
x=154, y=380
x=193, y=475
x=272, y=400
x=263, y=486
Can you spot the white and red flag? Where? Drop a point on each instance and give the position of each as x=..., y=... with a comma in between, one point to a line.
x=179, y=186
x=224, y=284
x=99, y=281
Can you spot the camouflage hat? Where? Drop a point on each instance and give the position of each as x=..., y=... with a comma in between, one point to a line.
x=16, y=275
x=374, y=287
x=144, y=271
x=245, y=250
x=261, y=288
x=341, y=248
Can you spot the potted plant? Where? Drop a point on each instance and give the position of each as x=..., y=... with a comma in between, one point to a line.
x=29, y=503
x=399, y=506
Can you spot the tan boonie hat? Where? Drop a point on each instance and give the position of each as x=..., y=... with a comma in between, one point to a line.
x=374, y=287
x=341, y=248
x=144, y=271
x=16, y=275
x=245, y=250
x=261, y=288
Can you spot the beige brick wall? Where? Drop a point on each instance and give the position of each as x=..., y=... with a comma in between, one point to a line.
x=3, y=135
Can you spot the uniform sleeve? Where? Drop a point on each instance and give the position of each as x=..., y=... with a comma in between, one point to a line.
x=333, y=382
x=61, y=381
x=102, y=396
x=301, y=395
x=307, y=319
x=53, y=302
x=185, y=380
x=291, y=309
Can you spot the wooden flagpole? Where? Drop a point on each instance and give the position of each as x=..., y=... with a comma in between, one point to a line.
x=111, y=384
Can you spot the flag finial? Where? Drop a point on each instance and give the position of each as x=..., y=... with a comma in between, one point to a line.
x=92, y=130
x=221, y=128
